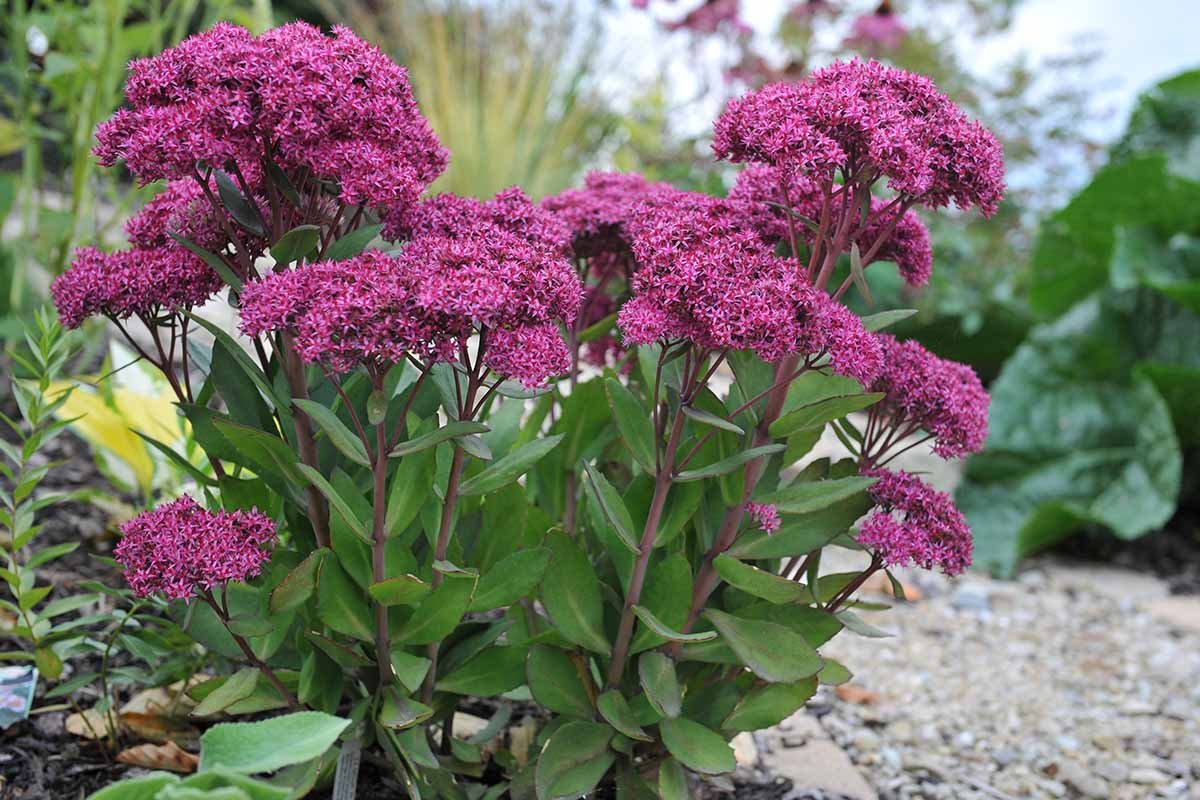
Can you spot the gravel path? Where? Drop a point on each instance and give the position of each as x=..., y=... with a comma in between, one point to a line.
x=1072, y=682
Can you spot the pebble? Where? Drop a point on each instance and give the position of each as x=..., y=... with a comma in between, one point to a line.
x=1077, y=777
x=1148, y=776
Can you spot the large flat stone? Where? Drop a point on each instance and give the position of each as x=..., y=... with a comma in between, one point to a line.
x=1181, y=612
x=819, y=764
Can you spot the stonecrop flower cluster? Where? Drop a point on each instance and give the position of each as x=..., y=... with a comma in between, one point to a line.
x=914, y=524
x=925, y=392
x=332, y=107
x=180, y=549
x=469, y=266
x=864, y=120
x=156, y=274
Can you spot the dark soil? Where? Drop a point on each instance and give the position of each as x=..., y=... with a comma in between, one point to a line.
x=1172, y=553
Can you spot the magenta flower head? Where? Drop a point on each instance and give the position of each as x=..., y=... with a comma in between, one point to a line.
x=913, y=524
x=455, y=217
x=864, y=120
x=905, y=241
x=331, y=107
x=925, y=392
x=598, y=213
x=878, y=30
x=765, y=516
x=179, y=549
x=156, y=275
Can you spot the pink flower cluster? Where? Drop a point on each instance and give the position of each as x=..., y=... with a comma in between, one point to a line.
x=333, y=107
x=599, y=212
x=914, y=524
x=879, y=30
x=942, y=397
x=707, y=275
x=156, y=275
x=905, y=243
x=180, y=549
x=765, y=516
x=497, y=265
x=711, y=16
x=864, y=119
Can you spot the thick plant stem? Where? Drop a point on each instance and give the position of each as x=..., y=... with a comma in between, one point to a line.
x=318, y=513
x=443, y=544
x=383, y=649
x=662, y=487
x=254, y=660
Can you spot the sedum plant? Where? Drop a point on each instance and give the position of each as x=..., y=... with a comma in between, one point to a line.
x=535, y=461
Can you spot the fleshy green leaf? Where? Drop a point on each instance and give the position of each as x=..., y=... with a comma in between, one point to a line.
x=821, y=412
x=765, y=706
x=773, y=652
x=708, y=418
x=661, y=629
x=656, y=673
x=611, y=505
x=512, y=578
x=696, y=747
x=342, y=437
x=633, y=423
x=556, y=681
x=571, y=595
x=760, y=583
x=299, y=585
x=352, y=243
x=340, y=603
x=574, y=760
x=727, y=465
x=297, y=243
x=448, y=431
x=252, y=747
x=884, y=319
x=401, y=590
x=672, y=781
x=616, y=712
x=508, y=469
x=803, y=497
x=440, y=612
x=494, y=671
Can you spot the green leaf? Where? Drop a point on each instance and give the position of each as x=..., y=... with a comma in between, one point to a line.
x=145, y=788
x=597, y=329
x=571, y=595
x=708, y=418
x=803, y=533
x=340, y=603
x=241, y=208
x=512, y=578
x=448, y=431
x=412, y=483
x=834, y=673
x=440, y=612
x=294, y=245
x=857, y=273
x=336, y=501
x=672, y=782
x=803, y=497
x=656, y=673
x=773, y=652
x=611, y=505
x=1077, y=438
x=399, y=712
x=727, y=465
x=760, y=583
x=494, y=671
x=212, y=260
x=299, y=585
x=342, y=437
x=401, y=590
x=352, y=243
x=267, y=745
x=574, y=760
x=821, y=412
x=508, y=469
x=616, y=712
x=247, y=365
x=236, y=687
x=665, y=602
x=766, y=706
x=670, y=634
x=885, y=319
x=696, y=747
x=633, y=423
x=556, y=681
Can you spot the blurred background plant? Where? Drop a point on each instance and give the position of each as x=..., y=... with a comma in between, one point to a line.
x=62, y=66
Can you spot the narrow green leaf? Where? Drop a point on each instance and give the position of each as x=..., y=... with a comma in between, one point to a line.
x=399, y=712
x=597, y=329
x=672, y=782
x=708, y=418
x=858, y=274
x=212, y=259
x=336, y=501
x=656, y=673
x=340, y=603
x=237, y=686
x=766, y=706
x=440, y=612
x=342, y=437
x=696, y=746
x=660, y=628
x=760, y=583
x=508, y=469
x=884, y=319
x=611, y=505
x=352, y=243
x=633, y=423
x=821, y=412
x=448, y=431
x=412, y=485
x=512, y=578
x=494, y=671
x=727, y=465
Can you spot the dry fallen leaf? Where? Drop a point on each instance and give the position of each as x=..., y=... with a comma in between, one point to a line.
x=169, y=756
x=850, y=693
x=159, y=727
x=91, y=724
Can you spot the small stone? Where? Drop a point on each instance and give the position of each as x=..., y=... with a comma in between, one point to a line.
x=1005, y=756
x=865, y=741
x=1113, y=771
x=901, y=731
x=964, y=739
x=1106, y=742
x=1147, y=776
x=970, y=596
x=1067, y=743
x=1076, y=777
x=745, y=752
x=1138, y=708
